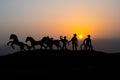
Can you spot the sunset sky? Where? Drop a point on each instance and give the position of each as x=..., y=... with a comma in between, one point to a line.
x=38, y=18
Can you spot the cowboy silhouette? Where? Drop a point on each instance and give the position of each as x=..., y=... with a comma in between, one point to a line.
x=74, y=41
x=87, y=43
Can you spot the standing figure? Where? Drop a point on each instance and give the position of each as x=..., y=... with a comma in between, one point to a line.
x=65, y=42
x=74, y=41
x=87, y=43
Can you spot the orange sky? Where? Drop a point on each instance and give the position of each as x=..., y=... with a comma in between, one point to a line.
x=39, y=18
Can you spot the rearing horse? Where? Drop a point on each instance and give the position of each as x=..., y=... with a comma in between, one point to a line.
x=34, y=43
x=17, y=42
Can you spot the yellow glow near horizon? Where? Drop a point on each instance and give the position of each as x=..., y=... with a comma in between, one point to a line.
x=80, y=36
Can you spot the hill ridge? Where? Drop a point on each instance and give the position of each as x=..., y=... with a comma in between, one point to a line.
x=58, y=53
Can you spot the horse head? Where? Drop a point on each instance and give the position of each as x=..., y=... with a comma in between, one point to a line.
x=29, y=39
x=13, y=36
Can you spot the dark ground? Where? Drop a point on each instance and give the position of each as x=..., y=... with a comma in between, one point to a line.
x=41, y=62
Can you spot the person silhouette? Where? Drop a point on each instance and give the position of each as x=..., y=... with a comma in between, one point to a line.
x=74, y=41
x=88, y=44
x=64, y=41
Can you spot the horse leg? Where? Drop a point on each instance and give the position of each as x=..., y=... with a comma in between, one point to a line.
x=44, y=46
x=47, y=46
x=12, y=46
x=28, y=47
x=34, y=47
x=20, y=49
x=12, y=43
x=40, y=46
x=57, y=47
x=23, y=48
x=63, y=47
x=9, y=42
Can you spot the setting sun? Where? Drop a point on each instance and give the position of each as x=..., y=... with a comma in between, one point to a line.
x=80, y=36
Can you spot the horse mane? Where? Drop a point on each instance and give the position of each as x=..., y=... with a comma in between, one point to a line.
x=31, y=38
x=14, y=35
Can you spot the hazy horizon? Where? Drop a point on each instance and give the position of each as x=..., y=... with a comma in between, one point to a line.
x=103, y=45
x=54, y=18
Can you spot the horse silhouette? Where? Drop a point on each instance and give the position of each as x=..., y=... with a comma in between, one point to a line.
x=17, y=42
x=35, y=43
x=46, y=42
x=49, y=42
x=57, y=44
x=28, y=47
x=52, y=42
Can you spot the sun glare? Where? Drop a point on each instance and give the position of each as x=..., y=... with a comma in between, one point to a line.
x=80, y=36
